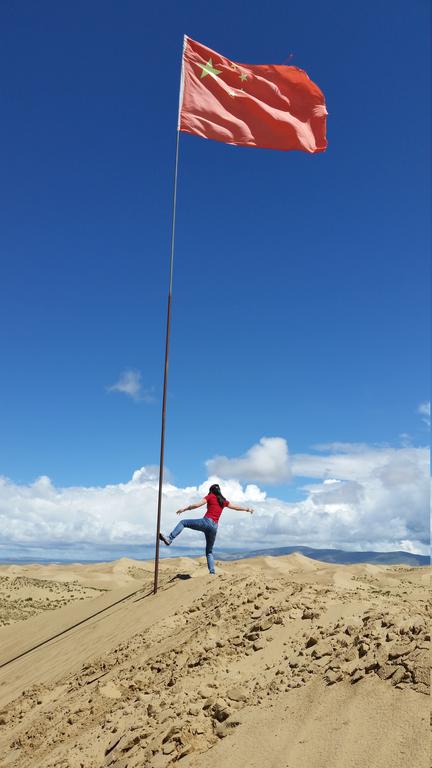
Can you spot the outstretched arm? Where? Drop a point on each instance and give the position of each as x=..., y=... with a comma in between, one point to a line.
x=192, y=506
x=241, y=509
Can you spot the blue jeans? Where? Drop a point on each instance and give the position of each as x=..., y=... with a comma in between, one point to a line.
x=208, y=527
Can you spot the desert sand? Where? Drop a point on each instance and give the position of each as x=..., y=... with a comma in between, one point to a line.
x=274, y=663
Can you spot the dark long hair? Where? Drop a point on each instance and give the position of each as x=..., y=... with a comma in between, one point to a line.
x=217, y=492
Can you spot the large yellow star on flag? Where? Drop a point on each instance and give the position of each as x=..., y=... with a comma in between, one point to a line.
x=208, y=69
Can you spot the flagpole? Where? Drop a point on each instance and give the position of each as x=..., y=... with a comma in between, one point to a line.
x=165, y=381
x=168, y=332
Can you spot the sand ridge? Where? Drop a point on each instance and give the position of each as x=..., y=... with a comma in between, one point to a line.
x=24, y=596
x=275, y=662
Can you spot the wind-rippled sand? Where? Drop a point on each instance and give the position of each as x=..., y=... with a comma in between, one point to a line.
x=275, y=663
x=23, y=596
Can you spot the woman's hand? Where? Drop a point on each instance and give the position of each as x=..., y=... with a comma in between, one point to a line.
x=249, y=509
x=180, y=511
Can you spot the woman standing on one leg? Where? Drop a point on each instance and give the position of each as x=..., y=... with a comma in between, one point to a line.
x=208, y=524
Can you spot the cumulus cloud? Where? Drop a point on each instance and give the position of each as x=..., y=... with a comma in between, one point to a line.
x=424, y=410
x=368, y=498
x=130, y=384
x=150, y=473
x=265, y=462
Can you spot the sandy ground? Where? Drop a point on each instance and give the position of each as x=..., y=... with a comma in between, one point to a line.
x=275, y=663
x=23, y=595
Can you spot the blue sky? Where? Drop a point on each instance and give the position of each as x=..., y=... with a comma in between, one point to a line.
x=301, y=282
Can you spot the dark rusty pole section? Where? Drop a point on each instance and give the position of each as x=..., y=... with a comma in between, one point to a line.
x=162, y=447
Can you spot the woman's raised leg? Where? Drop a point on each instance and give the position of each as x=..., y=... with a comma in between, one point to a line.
x=195, y=525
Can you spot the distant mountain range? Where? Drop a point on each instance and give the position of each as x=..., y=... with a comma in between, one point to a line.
x=334, y=556
x=147, y=553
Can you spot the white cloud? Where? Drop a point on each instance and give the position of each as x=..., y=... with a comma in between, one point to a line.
x=150, y=473
x=369, y=498
x=129, y=383
x=233, y=490
x=265, y=462
x=424, y=410
x=405, y=439
x=351, y=461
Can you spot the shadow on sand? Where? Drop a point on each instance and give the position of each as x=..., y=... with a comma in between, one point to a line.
x=182, y=576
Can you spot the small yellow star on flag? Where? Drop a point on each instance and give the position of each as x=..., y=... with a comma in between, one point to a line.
x=208, y=69
x=243, y=76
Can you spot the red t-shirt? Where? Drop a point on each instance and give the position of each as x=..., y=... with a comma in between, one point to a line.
x=214, y=510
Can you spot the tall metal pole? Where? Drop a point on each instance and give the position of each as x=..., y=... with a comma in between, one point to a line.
x=167, y=341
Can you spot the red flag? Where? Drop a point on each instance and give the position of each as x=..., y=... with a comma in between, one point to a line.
x=266, y=105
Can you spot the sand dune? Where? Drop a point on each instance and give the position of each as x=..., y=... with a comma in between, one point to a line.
x=275, y=663
x=23, y=596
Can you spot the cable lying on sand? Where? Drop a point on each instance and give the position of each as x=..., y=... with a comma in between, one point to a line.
x=208, y=525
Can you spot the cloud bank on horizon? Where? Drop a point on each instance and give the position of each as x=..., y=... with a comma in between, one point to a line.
x=354, y=496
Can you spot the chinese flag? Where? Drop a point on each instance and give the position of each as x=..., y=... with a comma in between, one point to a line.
x=251, y=105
